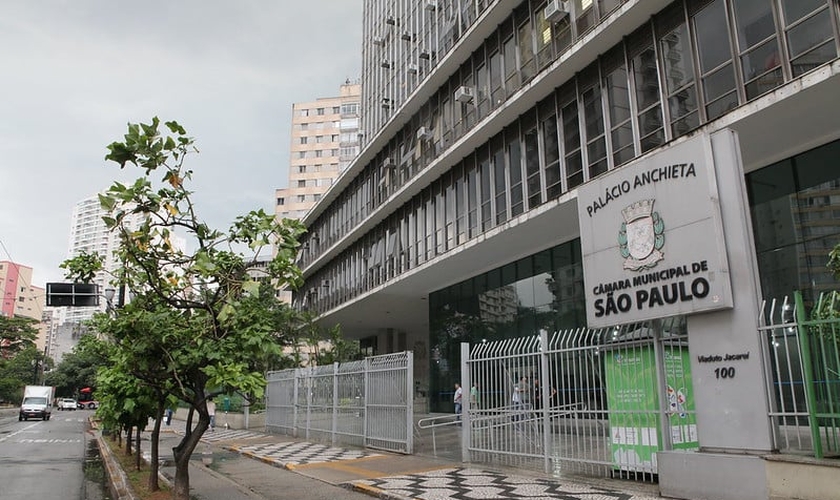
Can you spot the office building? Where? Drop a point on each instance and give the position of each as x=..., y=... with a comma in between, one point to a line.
x=613, y=161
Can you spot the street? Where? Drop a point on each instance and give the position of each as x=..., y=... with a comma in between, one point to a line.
x=43, y=459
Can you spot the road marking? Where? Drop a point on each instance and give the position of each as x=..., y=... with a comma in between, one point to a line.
x=18, y=432
x=52, y=441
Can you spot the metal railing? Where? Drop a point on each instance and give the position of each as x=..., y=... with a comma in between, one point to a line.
x=366, y=403
x=584, y=401
x=803, y=353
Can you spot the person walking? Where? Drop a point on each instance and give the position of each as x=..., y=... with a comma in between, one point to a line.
x=474, y=396
x=211, y=409
x=457, y=400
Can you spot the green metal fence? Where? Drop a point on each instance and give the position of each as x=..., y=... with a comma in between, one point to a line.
x=802, y=345
x=820, y=335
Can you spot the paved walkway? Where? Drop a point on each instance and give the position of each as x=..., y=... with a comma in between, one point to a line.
x=380, y=474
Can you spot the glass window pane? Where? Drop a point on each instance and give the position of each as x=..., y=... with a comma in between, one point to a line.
x=760, y=60
x=622, y=136
x=647, y=81
x=593, y=113
x=816, y=57
x=619, y=97
x=676, y=53
x=721, y=106
x=711, y=44
x=796, y=9
x=718, y=83
x=753, y=22
x=809, y=34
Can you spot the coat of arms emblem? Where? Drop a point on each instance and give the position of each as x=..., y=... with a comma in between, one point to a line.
x=641, y=236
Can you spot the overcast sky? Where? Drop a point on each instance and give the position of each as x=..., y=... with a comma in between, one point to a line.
x=74, y=73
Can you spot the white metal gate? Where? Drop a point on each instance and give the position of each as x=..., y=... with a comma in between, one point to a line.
x=362, y=403
x=597, y=402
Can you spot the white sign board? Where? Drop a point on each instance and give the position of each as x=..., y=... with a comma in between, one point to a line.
x=652, y=240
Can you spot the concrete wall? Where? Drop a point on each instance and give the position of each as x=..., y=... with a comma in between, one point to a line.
x=256, y=421
x=802, y=478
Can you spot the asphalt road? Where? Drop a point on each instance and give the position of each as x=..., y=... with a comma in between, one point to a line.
x=43, y=459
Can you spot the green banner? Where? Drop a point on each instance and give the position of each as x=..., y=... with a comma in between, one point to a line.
x=633, y=404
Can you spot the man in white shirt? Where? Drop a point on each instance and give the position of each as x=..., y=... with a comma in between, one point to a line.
x=457, y=400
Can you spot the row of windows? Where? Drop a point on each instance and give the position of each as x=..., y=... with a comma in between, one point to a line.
x=302, y=169
x=316, y=125
x=319, y=139
x=301, y=198
x=634, y=98
x=318, y=153
x=319, y=111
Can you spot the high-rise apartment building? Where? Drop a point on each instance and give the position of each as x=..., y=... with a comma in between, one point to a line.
x=88, y=233
x=324, y=139
x=20, y=298
x=610, y=161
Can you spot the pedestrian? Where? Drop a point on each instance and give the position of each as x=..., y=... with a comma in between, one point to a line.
x=457, y=400
x=474, y=396
x=521, y=398
x=169, y=413
x=211, y=410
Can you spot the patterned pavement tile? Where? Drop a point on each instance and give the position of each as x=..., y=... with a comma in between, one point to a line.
x=476, y=484
x=228, y=435
x=299, y=453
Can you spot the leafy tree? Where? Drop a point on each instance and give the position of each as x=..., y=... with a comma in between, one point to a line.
x=18, y=371
x=16, y=334
x=214, y=327
x=78, y=367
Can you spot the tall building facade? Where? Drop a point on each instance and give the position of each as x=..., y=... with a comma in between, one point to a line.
x=614, y=161
x=20, y=297
x=89, y=234
x=324, y=140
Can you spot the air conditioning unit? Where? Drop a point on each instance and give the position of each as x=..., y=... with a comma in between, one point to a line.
x=406, y=36
x=325, y=284
x=360, y=133
x=378, y=40
x=465, y=94
x=424, y=134
x=385, y=64
x=425, y=54
x=412, y=68
x=431, y=4
x=390, y=20
x=556, y=10
x=386, y=103
x=388, y=163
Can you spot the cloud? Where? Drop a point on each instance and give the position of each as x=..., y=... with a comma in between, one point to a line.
x=76, y=72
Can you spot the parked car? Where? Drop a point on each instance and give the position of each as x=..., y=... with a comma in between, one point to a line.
x=67, y=404
x=87, y=405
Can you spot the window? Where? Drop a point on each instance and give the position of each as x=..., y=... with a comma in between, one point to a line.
x=500, y=181
x=301, y=154
x=678, y=70
x=319, y=153
x=808, y=34
x=303, y=140
x=532, y=166
x=301, y=169
x=717, y=74
x=320, y=111
x=571, y=143
x=319, y=139
x=336, y=110
x=551, y=154
x=526, y=51
x=618, y=103
x=303, y=112
x=301, y=198
x=596, y=146
x=334, y=138
x=514, y=157
x=646, y=80
x=758, y=46
x=301, y=183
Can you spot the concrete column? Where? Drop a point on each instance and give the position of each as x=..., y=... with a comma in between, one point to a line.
x=728, y=374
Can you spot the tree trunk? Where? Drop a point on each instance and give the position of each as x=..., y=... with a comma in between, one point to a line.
x=128, y=435
x=154, y=466
x=182, y=454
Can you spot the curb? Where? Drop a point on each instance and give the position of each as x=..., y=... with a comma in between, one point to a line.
x=373, y=491
x=118, y=483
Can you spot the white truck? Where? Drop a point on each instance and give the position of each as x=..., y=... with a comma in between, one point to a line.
x=37, y=402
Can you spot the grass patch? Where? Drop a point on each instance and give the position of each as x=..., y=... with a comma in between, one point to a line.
x=139, y=479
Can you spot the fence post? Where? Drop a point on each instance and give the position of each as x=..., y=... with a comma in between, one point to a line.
x=409, y=400
x=367, y=398
x=295, y=378
x=545, y=388
x=335, y=404
x=807, y=373
x=466, y=431
x=661, y=387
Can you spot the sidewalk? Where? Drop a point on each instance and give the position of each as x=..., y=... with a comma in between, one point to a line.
x=239, y=464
